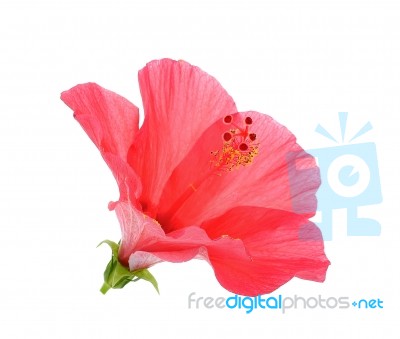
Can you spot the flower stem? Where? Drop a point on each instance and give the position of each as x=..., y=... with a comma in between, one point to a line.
x=105, y=288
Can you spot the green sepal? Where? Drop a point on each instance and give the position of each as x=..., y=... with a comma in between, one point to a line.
x=117, y=276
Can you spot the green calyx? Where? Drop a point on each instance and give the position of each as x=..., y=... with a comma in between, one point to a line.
x=117, y=276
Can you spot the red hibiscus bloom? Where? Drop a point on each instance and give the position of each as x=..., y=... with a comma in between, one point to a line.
x=200, y=180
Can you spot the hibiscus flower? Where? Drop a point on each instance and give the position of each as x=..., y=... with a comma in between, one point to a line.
x=201, y=180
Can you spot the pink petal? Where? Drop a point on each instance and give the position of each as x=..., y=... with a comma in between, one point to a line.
x=282, y=176
x=144, y=242
x=111, y=122
x=263, y=260
x=180, y=102
x=137, y=230
x=282, y=244
x=130, y=186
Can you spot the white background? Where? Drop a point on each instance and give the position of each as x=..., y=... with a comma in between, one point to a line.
x=299, y=61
